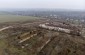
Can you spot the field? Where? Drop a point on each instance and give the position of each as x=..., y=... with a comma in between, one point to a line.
x=15, y=18
x=12, y=18
x=28, y=35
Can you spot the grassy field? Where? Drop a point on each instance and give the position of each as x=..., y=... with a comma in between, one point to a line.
x=15, y=18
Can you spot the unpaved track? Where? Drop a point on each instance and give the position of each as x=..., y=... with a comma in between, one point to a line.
x=2, y=29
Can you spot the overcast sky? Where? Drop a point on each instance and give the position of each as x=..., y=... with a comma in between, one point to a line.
x=57, y=4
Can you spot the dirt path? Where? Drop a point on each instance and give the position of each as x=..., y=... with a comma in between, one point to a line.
x=5, y=28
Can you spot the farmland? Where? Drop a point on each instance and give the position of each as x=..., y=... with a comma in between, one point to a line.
x=36, y=35
x=15, y=18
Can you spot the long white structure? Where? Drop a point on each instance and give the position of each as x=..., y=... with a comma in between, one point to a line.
x=55, y=28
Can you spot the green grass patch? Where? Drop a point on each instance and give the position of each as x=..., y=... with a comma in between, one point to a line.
x=15, y=18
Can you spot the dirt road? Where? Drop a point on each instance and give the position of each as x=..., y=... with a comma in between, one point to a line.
x=5, y=28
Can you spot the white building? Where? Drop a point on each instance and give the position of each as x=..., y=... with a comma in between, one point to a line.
x=55, y=28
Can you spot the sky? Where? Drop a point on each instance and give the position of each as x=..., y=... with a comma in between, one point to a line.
x=48, y=4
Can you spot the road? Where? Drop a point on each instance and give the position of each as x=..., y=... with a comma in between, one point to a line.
x=5, y=28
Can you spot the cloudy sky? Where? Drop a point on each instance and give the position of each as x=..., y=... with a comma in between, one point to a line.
x=57, y=4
